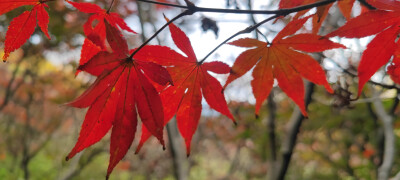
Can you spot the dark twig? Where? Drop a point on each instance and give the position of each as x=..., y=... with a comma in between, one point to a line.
x=164, y=4
x=386, y=86
x=191, y=9
x=282, y=12
x=184, y=13
x=244, y=31
x=111, y=5
x=252, y=18
x=140, y=15
x=364, y=3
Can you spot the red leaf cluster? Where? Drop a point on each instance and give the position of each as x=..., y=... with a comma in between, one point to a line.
x=23, y=26
x=156, y=83
x=191, y=82
x=385, y=23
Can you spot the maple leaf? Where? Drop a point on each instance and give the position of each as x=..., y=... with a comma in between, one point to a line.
x=23, y=26
x=97, y=34
x=191, y=82
x=122, y=86
x=281, y=60
x=385, y=25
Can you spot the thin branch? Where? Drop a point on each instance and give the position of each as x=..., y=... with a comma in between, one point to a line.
x=252, y=18
x=282, y=12
x=111, y=5
x=365, y=4
x=164, y=4
x=386, y=86
x=140, y=15
x=244, y=31
x=191, y=9
x=184, y=13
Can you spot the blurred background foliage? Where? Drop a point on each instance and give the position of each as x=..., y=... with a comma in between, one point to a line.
x=339, y=140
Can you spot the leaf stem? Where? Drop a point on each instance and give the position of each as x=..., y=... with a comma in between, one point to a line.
x=184, y=13
x=244, y=31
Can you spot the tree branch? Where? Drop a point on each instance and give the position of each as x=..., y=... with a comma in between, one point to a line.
x=368, y=6
x=244, y=31
x=282, y=12
x=184, y=13
x=386, y=86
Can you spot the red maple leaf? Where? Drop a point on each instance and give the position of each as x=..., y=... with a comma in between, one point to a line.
x=191, y=82
x=281, y=60
x=384, y=23
x=97, y=34
x=122, y=86
x=23, y=26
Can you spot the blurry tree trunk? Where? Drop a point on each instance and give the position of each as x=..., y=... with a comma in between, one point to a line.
x=26, y=157
x=272, y=161
x=293, y=129
x=389, y=138
x=181, y=166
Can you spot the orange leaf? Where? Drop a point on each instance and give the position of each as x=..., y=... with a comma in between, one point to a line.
x=281, y=60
